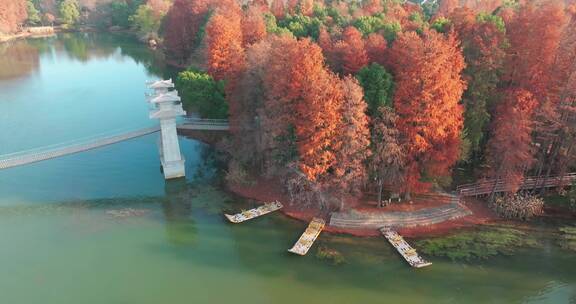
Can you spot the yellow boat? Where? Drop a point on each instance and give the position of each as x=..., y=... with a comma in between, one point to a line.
x=307, y=238
x=254, y=213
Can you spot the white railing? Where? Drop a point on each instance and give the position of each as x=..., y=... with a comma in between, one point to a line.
x=490, y=185
x=206, y=121
x=52, y=151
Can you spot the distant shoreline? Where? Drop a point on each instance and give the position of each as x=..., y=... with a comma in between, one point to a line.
x=39, y=31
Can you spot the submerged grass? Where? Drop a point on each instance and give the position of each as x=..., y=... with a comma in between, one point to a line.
x=478, y=244
x=331, y=255
x=568, y=238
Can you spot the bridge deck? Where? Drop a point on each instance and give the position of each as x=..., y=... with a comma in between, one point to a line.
x=45, y=153
x=19, y=159
x=204, y=124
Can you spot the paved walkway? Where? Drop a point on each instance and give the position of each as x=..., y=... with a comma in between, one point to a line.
x=423, y=217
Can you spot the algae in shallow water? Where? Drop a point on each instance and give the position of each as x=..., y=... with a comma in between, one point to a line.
x=480, y=244
x=328, y=254
x=568, y=239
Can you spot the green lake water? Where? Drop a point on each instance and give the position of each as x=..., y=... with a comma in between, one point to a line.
x=60, y=244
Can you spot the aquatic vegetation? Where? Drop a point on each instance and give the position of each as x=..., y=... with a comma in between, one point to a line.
x=518, y=206
x=480, y=244
x=568, y=238
x=127, y=212
x=331, y=255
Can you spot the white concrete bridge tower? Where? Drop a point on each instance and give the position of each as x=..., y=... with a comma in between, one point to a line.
x=166, y=108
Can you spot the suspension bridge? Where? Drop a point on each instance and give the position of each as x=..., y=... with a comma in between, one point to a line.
x=62, y=149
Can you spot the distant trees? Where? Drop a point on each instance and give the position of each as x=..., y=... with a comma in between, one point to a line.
x=69, y=12
x=148, y=17
x=183, y=28
x=33, y=14
x=13, y=13
x=120, y=12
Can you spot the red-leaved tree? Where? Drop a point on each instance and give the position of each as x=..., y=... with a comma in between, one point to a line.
x=253, y=26
x=376, y=48
x=352, y=139
x=509, y=151
x=224, y=45
x=183, y=21
x=428, y=91
x=351, y=51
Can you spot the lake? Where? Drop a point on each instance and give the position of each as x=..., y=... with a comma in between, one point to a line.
x=61, y=243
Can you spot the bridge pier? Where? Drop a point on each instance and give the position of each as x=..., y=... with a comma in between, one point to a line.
x=167, y=108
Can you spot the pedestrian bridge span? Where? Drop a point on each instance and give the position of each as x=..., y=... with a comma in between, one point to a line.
x=53, y=151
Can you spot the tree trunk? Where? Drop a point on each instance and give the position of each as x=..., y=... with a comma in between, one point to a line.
x=494, y=188
x=380, y=192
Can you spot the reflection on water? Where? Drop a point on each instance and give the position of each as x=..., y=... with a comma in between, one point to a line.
x=177, y=208
x=73, y=86
x=60, y=244
x=20, y=58
x=17, y=60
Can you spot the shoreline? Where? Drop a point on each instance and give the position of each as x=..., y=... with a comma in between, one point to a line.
x=31, y=32
x=270, y=190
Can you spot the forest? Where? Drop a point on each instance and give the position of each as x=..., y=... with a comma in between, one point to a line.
x=334, y=99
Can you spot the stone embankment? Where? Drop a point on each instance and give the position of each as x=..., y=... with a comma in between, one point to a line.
x=353, y=219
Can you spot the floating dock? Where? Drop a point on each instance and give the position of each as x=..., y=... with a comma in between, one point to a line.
x=254, y=213
x=407, y=252
x=307, y=238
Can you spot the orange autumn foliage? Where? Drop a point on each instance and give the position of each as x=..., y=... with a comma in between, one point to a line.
x=351, y=51
x=352, y=139
x=307, y=7
x=253, y=26
x=372, y=7
x=447, y=6
x=428, y=91
x=292, y=6
x=278, y=9
x=13, y=13
x=183, y=20
x=304, y=94
x=509, y=152
x=261, y=5
x=530, y=60
x=224, y=45
x=159, y=7
x=376, y=49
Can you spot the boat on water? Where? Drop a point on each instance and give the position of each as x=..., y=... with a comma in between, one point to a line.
x=307, y=238
x=405, y=250
x=254, y=213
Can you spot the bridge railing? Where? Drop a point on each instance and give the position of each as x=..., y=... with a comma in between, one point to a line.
x=69, y=147
x=206, y=121
x=490, y=185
